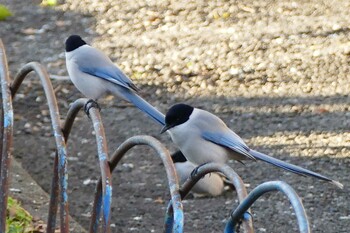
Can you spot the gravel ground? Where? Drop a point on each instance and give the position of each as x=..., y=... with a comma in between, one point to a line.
x=275, y=71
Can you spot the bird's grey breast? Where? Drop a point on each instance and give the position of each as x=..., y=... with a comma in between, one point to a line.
x=91, y=86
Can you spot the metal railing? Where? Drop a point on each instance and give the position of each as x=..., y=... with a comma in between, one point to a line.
x=261, y=190
x=174, y=221
x=201, y=171
x=6, y=134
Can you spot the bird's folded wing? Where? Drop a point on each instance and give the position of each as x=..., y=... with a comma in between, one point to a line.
x=111, y=74
x=231, y=142
x=228, y=140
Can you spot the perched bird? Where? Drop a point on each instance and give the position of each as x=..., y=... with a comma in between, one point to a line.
x=203, y=137
x=95, y=75
x=210, y=185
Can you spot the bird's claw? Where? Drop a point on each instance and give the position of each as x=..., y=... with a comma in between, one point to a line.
x=91, y=104
x=195, y=171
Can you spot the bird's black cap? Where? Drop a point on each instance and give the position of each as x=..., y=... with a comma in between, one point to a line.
x=177, y=115
x=178, y=157
x=73, y=42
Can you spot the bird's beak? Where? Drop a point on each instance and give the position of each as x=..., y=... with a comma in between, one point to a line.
x=165, y=128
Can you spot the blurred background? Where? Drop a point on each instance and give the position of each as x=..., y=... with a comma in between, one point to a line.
x=277, y=72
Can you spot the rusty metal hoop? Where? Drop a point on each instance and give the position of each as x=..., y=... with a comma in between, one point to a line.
x=201, y=171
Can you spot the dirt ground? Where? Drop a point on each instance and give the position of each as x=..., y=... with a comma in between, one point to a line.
x=277, y=72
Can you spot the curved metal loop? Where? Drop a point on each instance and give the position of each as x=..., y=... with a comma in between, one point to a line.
x=60, y=144
x=6, y=134
x=268, y=187
x=202, y=170
x=104, y=166
x=106, y=184
x=73, y=111
x=163, y=153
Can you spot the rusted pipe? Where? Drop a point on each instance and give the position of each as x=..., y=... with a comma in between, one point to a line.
x=270, y=186
x=59, y=139
x=164, y=155
x=230, y=174
x=73, y=111
x=71, y=115
x=54, y=198
x=6, y=135
x=106, y=185
x=104, y=167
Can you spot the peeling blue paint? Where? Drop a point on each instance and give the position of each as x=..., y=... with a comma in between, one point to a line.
x=246, y=216
x=98, y=212
x=177, y=211
x=97, y=123
x=63, y=170
x=62, y=157
x=178, y=221
x=102, y=156
x=173, y=186
x=107, y=199
x=8, y=119
x=65, y=187
x=57, y=135
x=169, y=218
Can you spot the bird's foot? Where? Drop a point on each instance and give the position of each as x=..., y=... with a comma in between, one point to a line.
x=91, y=104
x=195, y=171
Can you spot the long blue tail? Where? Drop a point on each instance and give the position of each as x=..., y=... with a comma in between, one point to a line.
x=292, y=168
x=145, y=107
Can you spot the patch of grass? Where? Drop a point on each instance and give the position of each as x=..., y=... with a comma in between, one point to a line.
x=49, y=3
x=18, y=220
x=4, y=12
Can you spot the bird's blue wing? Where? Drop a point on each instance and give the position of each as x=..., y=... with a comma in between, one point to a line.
x=229, y=140
x=111, y=74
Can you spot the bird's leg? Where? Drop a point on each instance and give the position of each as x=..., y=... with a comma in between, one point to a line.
x=90, y=104
x=195, y=171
